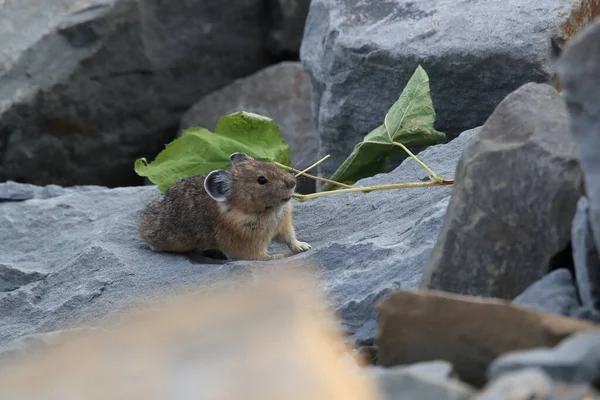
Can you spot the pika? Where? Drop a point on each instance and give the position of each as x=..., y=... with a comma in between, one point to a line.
x=238, y=211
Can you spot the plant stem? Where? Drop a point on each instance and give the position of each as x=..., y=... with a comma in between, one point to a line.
x=312, y=166
x=305, y=197
x=312, y=176
x=421, y=163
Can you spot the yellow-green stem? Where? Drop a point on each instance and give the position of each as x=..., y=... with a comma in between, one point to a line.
x=421, y=163
x=318, y=178
x=305, y=197
x=312, y=166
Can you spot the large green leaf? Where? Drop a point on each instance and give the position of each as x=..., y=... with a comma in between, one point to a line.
x=409, y=121
x=199, y=151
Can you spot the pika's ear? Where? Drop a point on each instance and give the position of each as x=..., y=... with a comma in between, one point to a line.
x=239, y=156
x=218, y=184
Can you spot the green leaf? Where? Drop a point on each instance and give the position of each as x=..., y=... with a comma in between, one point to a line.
x=409, y=121
x=199, y=151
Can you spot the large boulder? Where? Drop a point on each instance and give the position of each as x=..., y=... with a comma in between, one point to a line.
x=579, y=74
x=516, y=192
x=77, y=256
x=361, y=54
x=87, y=88
x=287, y=18
x=281, y=92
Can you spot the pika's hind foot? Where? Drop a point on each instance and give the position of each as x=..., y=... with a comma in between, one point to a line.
x=299, y=247
x=274, y=256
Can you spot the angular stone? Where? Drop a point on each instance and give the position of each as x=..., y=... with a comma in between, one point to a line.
x=586, y=257
x=420, y=381
x=532, y=384
x=555, y=293
x=513, y=200
x=361, y=54
x=469, y=332
x=576, y=359
x=87, y=87
x=281, y=92
x=579, y=74
x=86, y=241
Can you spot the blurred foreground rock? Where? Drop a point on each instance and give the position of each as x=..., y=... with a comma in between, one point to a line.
x=260, y=342
x=469, y=332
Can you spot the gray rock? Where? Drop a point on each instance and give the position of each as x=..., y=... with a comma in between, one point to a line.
x=14, y=191
x=281, y=92
x=585, y=257
x=86, y=244
x=427, y=380
x=579, y=75
x=532, y=384
x=287, y=19
x=574, y=360
x=87, y=87
x=361, y=54
x=555, y=292
x=515, y=195
x=436, y=369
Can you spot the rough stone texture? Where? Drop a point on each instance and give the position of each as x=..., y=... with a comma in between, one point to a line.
x=579, y=74
x=532, y=384
x=420, y=381
x=13, y=191
x=586, y=258
x=361, y=54
x=513, y=201
x=281, y=92
x=287, y=19
x=88, y=86
x=575, y=360
x=556, y=293
x=86, y=245
x=469, y=332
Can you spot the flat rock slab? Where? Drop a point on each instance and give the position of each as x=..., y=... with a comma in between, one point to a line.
x=77, y=256
x=361, y=54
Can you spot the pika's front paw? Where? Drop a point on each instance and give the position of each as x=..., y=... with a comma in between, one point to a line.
x=299, y=247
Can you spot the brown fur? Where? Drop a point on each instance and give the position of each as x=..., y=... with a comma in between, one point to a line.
x=187, y=218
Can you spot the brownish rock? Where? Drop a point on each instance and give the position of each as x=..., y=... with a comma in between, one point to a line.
x=469, y=332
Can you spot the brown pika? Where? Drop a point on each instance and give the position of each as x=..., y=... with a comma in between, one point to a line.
x=238, y=211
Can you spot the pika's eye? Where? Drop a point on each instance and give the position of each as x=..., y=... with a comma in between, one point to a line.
x=262, y=180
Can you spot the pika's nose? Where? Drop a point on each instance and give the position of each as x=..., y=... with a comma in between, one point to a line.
x=290, y=181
